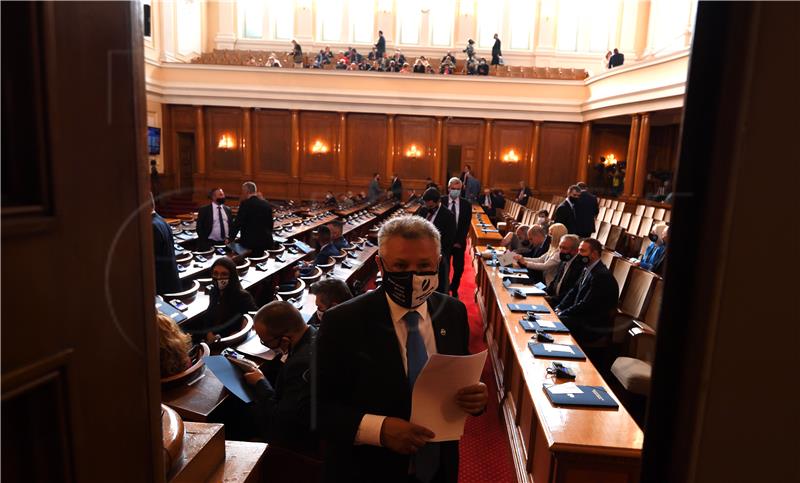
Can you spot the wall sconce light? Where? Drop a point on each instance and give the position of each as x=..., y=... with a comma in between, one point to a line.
x=319, y=147
x=413, y=152
x=611, y=160
x=226, y=142
x=510, y=157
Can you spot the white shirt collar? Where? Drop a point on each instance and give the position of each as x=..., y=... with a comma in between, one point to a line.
x=399, y=312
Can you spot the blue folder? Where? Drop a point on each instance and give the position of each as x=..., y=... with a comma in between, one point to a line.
x=538, y=350
x=533, y=326
x=513, y=270
x=592, y=396
x=541, y=309
x=231, y=377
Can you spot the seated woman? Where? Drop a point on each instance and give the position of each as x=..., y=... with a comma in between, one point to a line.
x=173, y=346
x=656, y=250
x=516, y=239
x=545, y=266
x=228, y=304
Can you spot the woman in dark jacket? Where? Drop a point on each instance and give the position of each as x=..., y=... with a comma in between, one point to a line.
x=228, y=304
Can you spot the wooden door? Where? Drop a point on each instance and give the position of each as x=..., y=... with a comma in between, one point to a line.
x=186, y=161
x=453, y=162
x=80, y=392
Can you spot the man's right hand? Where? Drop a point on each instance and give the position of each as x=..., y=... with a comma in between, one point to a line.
x=403, y=437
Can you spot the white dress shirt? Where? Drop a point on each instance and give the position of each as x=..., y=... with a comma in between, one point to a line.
x=369, y=430
x=454, y=207
x=215, y=213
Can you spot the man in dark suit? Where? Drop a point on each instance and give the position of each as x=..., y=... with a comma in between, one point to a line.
x=462, y=212
x=167, y=280
x=586, y=210
x=565, y=212
x=523, y=194
x=616, y=60
x=445, y=222
x=281, y=413
x=328, y=293
x=213, y=221
x=254, y=219
x=396, y=188
x=538, y=244
x=487, y=201
x=587, y=309
x=326, y=247
x=370, y=351
x=380, y=46
x=569, y=270
x=496, y=53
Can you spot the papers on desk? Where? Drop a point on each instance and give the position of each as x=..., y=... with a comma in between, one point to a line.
x=507, y=259
x=556, y=351
x=254, y=347
x=230, y=376
x=566, y=388
x=558, y=348
x=526, y=289
x=433, y=401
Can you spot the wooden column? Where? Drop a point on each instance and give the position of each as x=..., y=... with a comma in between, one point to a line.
x=390, y=169
x=630, y=159
x=487, y=153
x=533, y=167
x=437, y=153
x=342, y=149
x=200, y=141
x=443, y=148
x=247, y=148
x=641, y=156
x=583, y=152
x=295, y=144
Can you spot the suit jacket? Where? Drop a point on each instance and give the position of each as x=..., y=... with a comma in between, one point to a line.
x=496, y=49
x=254, y=219
x=464, y=219
x=489, y=207
x=205, y=223
x=616, y=60
x=568, y=274
x=586, y=211
x=223, y=315
x=375, y=190
x=381, y=45
x=167, y=280
x=445, y=222
x=472, y=188
x=361, y=371
x=593, y=301
x=525, y=193
x=397, y=188
x=329, y=250
x=566, y=216
x=282, y=412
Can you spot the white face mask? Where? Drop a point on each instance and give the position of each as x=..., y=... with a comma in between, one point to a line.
x=319, y=315
x=222, y=283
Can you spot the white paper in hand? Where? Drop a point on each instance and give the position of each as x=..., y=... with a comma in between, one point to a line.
x=254, y=347
x=433, y=403
x=507, y=259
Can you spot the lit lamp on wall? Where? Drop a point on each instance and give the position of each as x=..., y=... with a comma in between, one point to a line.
x=413, y=152
x=610, y=160
x=510, y=156
x=226, y=142
x=319, y=147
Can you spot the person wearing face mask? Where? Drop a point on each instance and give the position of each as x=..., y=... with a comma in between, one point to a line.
x=587, y=310
x=569, y=270
x=543, y=219
x=565, y=212
x=330, y=199
x=544, y=267
x=586, y=211
x=656, y=250
x=517, y=239
x=328, y=293
x=370, y=351
x=462, y=212
x=213, y=221
x=228, y=302
x=282, y=412
x=444, y=221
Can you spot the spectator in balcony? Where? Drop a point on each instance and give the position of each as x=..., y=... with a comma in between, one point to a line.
x=470, y=49
x=380, y=45
x=273, y=61
x=429, y=69
x=483, y=67
x=341, y=64
x=353, y=66
x=616, y=60
x=496, y=53
x=449, y=57
x=406, y=69
x=472, y=66
x=606, y=61
x=447, y=67
x=297, y=54
x=419, y=65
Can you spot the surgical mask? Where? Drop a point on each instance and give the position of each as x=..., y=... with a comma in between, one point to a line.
x=220, y=201
x=410, y=289
x=541, y=221
x=525, y=243
x=319, y=315
x=222, y=283
x=454, y=194
x=565, y=257
x=653, y=237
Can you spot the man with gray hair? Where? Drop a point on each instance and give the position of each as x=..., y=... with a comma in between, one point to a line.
x=371, y=350
x=254, y=219
x=462, y=211
x=569, y=269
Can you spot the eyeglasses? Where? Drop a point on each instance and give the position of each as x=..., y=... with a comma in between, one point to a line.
x=269, y=341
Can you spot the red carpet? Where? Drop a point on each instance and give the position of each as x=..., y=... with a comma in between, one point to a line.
x=485, y=454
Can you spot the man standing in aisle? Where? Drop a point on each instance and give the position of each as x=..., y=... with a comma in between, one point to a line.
x=462, y=212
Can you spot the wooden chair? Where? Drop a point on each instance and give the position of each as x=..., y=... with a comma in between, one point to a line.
x=658, y=214
x=616, y=217
x=602, y=233
x=240, y=335
x=644, y=227
x=621, y=270
x=625, y=220
x=634, y=301
x=243, y=267
x=186, y=296
x=314, y=276
x=648, y=211
x=326, y=267
x=193, y=372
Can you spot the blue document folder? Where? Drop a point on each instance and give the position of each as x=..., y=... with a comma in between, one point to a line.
x=540, y=309
x=533, y=326
x=230, y=376
x=556, y=351
x=591, y=396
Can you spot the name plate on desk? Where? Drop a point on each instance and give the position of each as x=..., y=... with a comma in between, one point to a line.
x=556, y=351
x=169, y=310
x=539, y=309
x=571, y=394
x=553, y=326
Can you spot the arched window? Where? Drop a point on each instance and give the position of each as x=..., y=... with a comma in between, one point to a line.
x=362, y=21
x=521, y=18
x=409, y=18
x=489, y=16
x=442, y=16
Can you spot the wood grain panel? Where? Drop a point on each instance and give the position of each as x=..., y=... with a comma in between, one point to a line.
x=662, y=149
x=467, y=133
x=323, y=127
x=224, y=121
x=508, y=135
x=366, y=147
x=419, y=131
x=272, y=141
x=183, y=118
x=558, y=160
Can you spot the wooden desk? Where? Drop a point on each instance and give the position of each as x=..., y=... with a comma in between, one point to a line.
x=303, y=232
x=356, y=225
x=198, y=401
x=345, y=212
x=478, y=236
x=550, y=444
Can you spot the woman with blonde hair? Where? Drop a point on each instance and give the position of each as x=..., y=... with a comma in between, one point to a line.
x=173, y=346
x=547, y=263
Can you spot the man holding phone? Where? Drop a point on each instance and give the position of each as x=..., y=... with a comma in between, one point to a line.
x=282, y=412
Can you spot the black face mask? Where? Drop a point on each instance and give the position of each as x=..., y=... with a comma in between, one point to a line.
x=584, y=260
x=573, y=199
x=220, y=201
x=653, y=237
x=565, y=257
x=410, y=289
x=526, y=243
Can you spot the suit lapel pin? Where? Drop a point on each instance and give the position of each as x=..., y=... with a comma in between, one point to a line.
x=442, y=332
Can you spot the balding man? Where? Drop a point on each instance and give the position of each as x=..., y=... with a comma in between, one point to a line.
x=569, y=269
x=213, y=221
x=283, y=412
x=372, y=348
x=254, y=219
x=462, y=211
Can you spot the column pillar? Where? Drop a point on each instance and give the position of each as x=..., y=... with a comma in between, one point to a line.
x=342, y=148
x=487, y=153
x=247, y=148
x=390, y=169
x=630, y=158
x=200, y=141
x=295, y=150
x=226, y=33
x=533, y=167
x=583, y=152
x=437, y=152
x=641, y=156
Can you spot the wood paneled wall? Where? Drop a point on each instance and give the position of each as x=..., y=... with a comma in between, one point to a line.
x=274, y=148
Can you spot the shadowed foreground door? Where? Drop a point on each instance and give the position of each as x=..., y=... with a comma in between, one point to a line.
x=79, y=352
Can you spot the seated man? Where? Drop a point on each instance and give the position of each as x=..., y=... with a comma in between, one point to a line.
x=538, y=242
x=487, y=202
x=336, y=228
x=326, y=248
x=282, y=412
x=329, y=293
x=588, y=308
x=569, y=270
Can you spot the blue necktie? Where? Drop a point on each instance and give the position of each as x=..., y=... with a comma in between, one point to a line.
x=426, y=461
